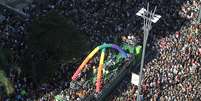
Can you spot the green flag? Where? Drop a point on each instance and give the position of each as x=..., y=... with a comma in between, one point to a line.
x=138, y=50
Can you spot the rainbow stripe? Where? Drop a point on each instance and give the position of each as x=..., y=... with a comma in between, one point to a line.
x=99, y=74
x=86, y=60
x=100, y=71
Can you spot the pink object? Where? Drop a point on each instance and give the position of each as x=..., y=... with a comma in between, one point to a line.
x=98, y=86
x=75, y=76
x=177, y=34
x=199, y=50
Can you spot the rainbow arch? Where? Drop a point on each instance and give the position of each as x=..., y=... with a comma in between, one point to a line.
x=101, y=62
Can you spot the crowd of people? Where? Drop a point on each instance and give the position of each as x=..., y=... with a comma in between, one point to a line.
x=13, y=30
x=176, y=70
x=175, y=74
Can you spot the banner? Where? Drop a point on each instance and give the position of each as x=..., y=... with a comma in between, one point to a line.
x=135, y=79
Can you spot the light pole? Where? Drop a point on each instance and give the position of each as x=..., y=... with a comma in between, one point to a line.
x=148, y=17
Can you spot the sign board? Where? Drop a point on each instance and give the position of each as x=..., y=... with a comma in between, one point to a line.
x=135, y=79
x=143, y=12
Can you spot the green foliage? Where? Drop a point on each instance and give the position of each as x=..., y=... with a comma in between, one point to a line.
x=51, y=40
x=4, y=81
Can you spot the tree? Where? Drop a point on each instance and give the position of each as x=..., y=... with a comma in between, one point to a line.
x=4, y=81
x=51, y=40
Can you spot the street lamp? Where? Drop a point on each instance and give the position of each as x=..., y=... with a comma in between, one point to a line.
x=148, y=17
